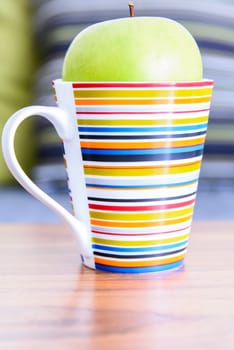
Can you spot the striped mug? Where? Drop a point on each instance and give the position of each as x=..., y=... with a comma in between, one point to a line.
x=133, y=153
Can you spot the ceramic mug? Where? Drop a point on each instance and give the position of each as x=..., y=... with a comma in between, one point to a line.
x=133, y=152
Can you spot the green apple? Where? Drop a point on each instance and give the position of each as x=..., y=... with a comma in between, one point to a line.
x=133, y=49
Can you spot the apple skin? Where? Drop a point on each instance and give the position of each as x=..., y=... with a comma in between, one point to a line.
x=133, y=49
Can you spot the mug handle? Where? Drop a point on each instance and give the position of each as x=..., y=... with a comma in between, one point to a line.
x=60, y=120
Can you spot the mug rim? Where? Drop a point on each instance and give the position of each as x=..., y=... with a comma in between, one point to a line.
x=77, y=84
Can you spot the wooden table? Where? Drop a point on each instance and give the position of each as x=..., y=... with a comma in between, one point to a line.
x=49, y=301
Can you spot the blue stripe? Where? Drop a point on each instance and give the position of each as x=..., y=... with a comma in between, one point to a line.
x=159, y=268
x=141, y=130
x=141, y=151
x=140, y=157
x=142, y=249
x=142, y=137
x=143, y=186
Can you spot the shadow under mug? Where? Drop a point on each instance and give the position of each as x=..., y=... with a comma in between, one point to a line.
x=133, y=153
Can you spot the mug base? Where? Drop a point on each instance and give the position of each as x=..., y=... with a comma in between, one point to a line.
x=141, y=270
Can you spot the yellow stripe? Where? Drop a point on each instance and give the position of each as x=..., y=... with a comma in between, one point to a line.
x=136, y=122
x=141, y=172
x=149, y=93
x=147, y=243
x=139, y=224
x=170, y=214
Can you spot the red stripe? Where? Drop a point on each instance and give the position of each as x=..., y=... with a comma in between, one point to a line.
x=142, y=85
x=141, y=208
x=174, y=112
x=140, y=234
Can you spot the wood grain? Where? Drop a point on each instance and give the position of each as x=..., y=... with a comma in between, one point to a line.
x=49, y=301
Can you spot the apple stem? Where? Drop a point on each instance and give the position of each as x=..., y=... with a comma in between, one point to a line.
x=131, y=8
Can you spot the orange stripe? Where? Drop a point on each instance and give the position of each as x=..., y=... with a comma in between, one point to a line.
x=139, y=224
x=141, y=145
x=154, y=262
x=198, y=162
x=141, y=101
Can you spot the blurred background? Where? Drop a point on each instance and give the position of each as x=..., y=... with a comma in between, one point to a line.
x=34, y=36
